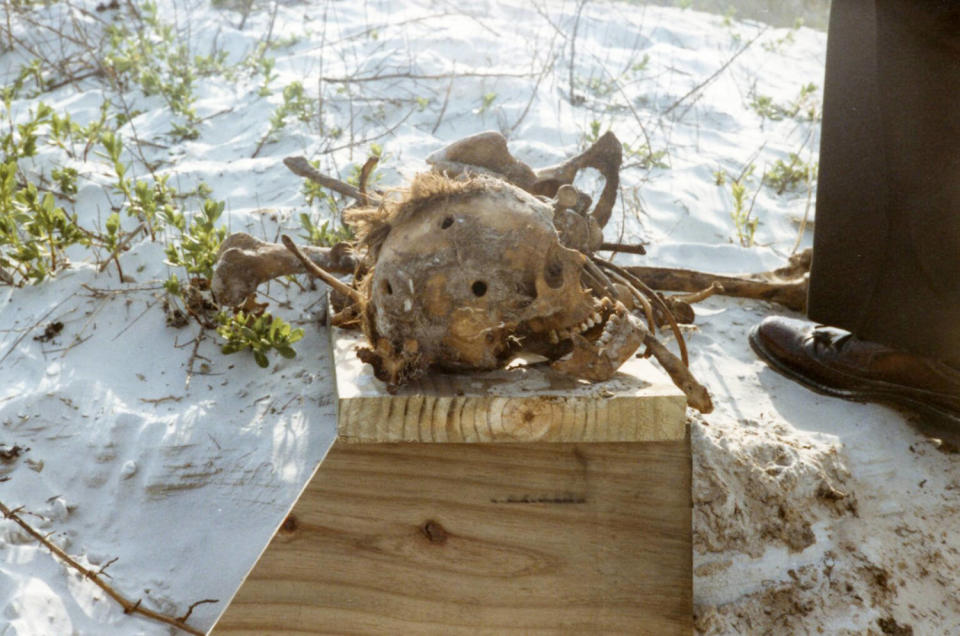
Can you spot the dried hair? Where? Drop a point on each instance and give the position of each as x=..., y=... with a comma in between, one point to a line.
x=373, y=225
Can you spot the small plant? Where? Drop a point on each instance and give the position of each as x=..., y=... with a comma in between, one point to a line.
x=34, y=231
x=66, y=180
x=785, y=176
x=259, y=334
x=266, y=65
x=645, y=157
x=295, y=104
x=323, y=234
x=599, y=87
x=803, y=108
x=742, y=214
x=593, y=134
x=486, y=103
x=196, y=250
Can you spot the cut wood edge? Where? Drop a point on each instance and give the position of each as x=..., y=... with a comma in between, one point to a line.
x=525, y=404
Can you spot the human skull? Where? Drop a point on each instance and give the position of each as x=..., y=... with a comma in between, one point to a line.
x=471, y=273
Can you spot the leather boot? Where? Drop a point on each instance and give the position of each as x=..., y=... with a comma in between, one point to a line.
x=837, y=363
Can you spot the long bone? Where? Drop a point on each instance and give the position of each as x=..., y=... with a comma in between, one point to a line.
x=244, y=262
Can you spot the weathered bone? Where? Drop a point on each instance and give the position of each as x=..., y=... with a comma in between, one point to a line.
x=482, y=153
x=312, y=269
x=244, y=262
x=487, y=153
x=786, y=285
x=605, y=155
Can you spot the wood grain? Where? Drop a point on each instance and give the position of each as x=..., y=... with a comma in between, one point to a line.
x=504, y=538
x=529, y=403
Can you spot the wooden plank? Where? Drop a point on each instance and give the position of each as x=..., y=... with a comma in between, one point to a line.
x=500, y=538
x=527, y=403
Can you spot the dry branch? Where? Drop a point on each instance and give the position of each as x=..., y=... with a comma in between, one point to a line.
x=129, y=607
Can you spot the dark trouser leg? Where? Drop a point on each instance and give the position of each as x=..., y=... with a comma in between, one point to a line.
x=887, y=240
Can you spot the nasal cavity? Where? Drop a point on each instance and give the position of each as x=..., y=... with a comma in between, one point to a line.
x=553, y=273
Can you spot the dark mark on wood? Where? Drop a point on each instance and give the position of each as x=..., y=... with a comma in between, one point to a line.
x=290, y=524
x=564, y=498
x=434, y=532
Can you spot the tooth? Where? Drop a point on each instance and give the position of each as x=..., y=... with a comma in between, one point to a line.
x=597, y=318
x=554, y=338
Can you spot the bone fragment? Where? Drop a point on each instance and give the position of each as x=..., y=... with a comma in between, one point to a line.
x=567, y=196
x=786, y=286
x=605, y=155
x=244, y=262
x=315, y=271
x=697, y=395
x=703, y=294
x=486, y=151
x=301, y=167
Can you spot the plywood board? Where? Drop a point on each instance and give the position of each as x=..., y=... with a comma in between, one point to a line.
x=526, y=403
x=503, y=538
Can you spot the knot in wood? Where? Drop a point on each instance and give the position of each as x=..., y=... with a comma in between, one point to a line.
x=434, y=532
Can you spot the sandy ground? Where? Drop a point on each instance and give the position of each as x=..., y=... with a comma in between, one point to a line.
x=129, y=439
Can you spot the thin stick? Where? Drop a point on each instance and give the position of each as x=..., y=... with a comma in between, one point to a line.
x=715, y=73
x=417, y=76
x=443, y=109
x=129, y=607
x=312, y=268
x=34, y=326
x=573, y=48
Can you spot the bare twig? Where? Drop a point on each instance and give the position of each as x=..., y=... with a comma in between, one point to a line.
x=37, y=323
x=193, y=358
x=573, y=49
x=443, y=109
x=183, y=619
x=715, y=74
x=121, y=246
x=129, y=607
x=416, y=76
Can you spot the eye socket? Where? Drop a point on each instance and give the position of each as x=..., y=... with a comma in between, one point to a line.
x=479, y=288
x=447, y=222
